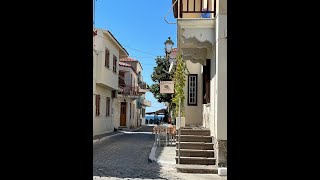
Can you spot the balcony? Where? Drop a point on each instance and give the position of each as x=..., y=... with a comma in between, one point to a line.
x=196, y=28
x=144, y=102
x=194, y=8
x=143, y=87
x=129, y=91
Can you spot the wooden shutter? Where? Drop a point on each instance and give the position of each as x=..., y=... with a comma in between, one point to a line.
x=106, y=60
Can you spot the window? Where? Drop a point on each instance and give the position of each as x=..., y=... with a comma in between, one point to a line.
x=106, y=58
x=114, y=64
x=192, y=89
x=108, y=106
x=206, y=82
x=97, y=105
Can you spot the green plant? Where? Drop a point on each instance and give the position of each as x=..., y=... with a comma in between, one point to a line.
x=179, y=78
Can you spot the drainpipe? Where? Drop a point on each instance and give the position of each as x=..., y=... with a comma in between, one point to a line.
x=179, y=131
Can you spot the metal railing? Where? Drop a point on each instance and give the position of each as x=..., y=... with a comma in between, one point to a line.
x=200, y=9
x=143, y=85
x=128, y=90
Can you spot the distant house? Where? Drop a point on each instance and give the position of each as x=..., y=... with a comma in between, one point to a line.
x=131, y=101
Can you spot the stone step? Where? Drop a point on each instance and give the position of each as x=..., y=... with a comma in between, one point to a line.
x=195, y=138
x=195, y=153
x=199, y=169
x=196, y=160
x=195, y=145
x=203, y=132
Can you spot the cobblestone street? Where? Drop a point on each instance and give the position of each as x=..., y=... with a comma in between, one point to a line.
x=126, y=156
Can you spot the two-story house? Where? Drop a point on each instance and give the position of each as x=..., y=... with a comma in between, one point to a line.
x=202, y=41
x=107, y=53
x=131, y=96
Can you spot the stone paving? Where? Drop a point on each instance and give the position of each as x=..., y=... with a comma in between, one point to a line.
x=125, y=156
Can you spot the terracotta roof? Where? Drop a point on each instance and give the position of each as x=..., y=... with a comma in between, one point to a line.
x=132, y=60
x=124, y=64
x=128, y=59
x=127, y=65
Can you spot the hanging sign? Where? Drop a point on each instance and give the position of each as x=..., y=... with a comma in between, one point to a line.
x=166, y=87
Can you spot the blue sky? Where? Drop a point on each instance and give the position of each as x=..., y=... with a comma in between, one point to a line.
x=140, y=27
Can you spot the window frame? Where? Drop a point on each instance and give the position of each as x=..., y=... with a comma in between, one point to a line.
x=196, y=90
x=107, y=58
x=114, y=67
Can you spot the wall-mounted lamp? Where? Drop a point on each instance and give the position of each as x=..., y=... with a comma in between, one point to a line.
x=168, y=45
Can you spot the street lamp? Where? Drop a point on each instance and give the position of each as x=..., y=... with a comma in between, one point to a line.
x=168, y=45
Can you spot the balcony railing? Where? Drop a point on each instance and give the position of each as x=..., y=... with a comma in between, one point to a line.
x=143, y=85
x=144, y=102
x=204, y=8
x=128, y=90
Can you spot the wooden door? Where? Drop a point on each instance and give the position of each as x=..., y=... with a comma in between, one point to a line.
x=123, y=114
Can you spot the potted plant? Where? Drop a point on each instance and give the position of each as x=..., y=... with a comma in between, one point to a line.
x=179, y=78
x=205, y=13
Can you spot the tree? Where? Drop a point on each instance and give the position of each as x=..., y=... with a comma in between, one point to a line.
x=160, y=74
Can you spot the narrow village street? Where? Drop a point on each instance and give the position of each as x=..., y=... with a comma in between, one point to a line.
x=125, y=156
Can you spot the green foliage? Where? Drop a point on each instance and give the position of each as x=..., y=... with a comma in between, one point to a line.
x=179, y=78
x=160, y=74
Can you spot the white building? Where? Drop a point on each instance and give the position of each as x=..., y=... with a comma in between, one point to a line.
x=202, y=41
x=107, y=52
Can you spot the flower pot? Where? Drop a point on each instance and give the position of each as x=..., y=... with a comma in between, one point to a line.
x=205, y=14
x=183, y=122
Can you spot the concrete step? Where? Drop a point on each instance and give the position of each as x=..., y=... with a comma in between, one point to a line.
x=203, y=132
x=199, y=169
x=196, y=160
x=195, y=145
x=195, y=138
x=195, y=153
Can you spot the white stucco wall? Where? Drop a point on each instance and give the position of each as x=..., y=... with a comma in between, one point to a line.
x=116, y=117
x=194, y=113
x=102, y=123
x=94, y=85
x=106, y=75
x=221, y=64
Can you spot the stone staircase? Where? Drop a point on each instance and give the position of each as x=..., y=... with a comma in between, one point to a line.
x=196, y=151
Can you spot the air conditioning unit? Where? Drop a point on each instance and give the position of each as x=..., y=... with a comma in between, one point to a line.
x=114, y=94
